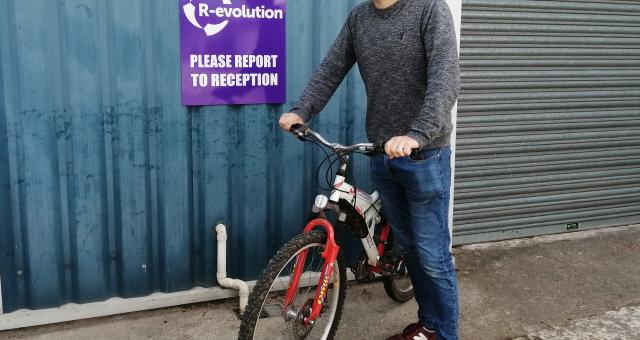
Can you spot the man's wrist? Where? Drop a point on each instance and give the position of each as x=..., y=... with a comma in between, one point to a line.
x=418, y=137
x=300, y=112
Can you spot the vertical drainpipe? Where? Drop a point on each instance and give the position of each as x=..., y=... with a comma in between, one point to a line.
x=456, y=12
x=221, y=270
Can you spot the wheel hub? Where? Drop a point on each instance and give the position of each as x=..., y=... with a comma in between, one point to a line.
x=303, y=324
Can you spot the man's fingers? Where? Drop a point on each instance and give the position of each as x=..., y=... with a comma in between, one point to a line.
x=398, y=149
x=407, y=150
x=289, y=119
x=408, y=147
x=285, y=125
x=400, y=146
x=283, y=121
x=394, y=148
x=387, y=148
x=390, y=147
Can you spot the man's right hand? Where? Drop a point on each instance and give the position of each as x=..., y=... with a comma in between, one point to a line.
x=288, y=119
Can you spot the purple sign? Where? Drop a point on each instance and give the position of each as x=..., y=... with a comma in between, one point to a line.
x=232, y=51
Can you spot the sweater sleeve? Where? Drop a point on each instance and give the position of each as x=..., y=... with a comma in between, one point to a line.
x=443, y=74
x=326, y=79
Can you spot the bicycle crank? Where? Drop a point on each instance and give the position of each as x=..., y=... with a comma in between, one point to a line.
x=361, y=270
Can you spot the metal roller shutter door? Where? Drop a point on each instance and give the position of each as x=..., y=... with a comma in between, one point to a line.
x=549, y=118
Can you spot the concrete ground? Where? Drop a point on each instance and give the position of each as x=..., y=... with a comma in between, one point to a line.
x=582, y=285
x=620, y=324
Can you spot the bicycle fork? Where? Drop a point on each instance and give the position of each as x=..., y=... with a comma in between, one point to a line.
x=329, y=255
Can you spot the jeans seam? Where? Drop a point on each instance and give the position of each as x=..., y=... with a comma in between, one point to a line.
x=387, y=167
x=453, y=290
x=385, y=161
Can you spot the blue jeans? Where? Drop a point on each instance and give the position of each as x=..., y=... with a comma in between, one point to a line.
x=415, y=198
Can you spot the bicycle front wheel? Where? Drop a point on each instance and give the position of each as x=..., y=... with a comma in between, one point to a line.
x=266, y=317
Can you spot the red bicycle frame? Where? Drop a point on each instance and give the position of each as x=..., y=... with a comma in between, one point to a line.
x=330, y=255
x=382, y=244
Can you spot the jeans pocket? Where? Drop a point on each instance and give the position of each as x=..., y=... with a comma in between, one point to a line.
x=425, y=156
x=423, y=179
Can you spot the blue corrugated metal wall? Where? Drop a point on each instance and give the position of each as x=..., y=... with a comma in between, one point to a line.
x=109, y=187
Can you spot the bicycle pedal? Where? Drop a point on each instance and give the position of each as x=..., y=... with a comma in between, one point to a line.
x=387, y=271
x=389, y=264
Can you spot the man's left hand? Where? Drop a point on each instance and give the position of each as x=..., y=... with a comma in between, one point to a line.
x=400, y=146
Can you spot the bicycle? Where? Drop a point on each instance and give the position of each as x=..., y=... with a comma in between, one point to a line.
x=284, y=303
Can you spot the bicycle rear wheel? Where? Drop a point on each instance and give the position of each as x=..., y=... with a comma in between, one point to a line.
x=398, y=286
x=265, y=316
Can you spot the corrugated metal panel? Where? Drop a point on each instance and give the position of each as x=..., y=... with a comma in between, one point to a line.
x=549, y=117
x=109, y=187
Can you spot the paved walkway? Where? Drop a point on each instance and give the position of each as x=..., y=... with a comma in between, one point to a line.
x=620, y=324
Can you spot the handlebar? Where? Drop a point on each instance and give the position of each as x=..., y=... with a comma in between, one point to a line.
x=303, y=132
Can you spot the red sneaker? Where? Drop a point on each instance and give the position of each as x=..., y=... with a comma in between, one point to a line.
x=414, y=331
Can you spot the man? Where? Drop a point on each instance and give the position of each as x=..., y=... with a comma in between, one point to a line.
x=406, y=52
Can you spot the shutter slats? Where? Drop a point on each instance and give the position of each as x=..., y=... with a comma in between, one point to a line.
x=548, y=118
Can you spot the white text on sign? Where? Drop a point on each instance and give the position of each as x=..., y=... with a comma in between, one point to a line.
x=230, y=61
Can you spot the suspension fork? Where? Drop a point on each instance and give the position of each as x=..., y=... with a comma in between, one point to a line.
x=330, y=255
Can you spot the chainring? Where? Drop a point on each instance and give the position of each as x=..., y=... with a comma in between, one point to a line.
x=361, y=269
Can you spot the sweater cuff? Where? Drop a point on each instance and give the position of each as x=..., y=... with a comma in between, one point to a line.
x=301, y=112
x=419, y=137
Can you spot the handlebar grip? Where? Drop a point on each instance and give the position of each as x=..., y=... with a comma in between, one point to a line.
x=378, y=147
x=295, y=127
x=299, y=130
